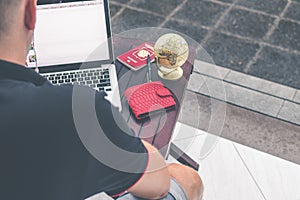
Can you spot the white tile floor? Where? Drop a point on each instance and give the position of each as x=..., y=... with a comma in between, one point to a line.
x=231, y=171
x=277, y=178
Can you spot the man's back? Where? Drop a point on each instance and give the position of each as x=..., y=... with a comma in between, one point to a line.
x=41, y=151
x=33, y=137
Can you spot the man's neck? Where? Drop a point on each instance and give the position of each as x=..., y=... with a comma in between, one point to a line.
x=12, y=52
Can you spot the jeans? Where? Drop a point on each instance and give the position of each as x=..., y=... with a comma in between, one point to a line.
x=176, y=193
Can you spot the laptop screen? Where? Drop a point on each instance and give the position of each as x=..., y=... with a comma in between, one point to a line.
x=73, y=32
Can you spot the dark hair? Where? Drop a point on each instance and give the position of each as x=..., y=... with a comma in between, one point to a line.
x=7, y=13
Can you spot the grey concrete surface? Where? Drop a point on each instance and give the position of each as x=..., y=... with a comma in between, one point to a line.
x=246, y=91
x=261, y=38
x=297, y=97
x=290, y=111
x=255, y=83
x=243, y=97
x=243, y=126
x=210, y=70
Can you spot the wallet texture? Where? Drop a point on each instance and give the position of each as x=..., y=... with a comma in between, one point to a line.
x=149, y=98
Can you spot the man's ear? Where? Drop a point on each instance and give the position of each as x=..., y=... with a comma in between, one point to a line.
x=30, y=14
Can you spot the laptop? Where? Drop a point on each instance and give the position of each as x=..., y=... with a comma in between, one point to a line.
x=72, y=45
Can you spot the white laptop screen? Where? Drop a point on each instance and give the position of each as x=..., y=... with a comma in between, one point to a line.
x=68, y=33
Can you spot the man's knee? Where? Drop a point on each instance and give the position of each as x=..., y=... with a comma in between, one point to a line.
x=189, y=180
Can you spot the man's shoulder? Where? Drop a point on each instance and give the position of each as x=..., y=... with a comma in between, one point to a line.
x=47, y=96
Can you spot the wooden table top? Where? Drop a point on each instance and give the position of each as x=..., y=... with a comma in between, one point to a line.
x=157, y=129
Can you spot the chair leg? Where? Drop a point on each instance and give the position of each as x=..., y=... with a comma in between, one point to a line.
x=183, y=158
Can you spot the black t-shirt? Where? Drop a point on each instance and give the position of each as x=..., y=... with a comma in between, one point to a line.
x=42, y=153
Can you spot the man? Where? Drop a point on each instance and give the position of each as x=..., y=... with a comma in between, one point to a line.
x=42, y=156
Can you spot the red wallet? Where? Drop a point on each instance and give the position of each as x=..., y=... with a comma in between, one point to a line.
x=149, y=98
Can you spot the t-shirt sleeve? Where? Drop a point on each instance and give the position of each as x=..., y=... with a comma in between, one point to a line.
x=124, y=162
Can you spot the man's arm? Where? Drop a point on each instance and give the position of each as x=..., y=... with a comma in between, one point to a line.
x=155, y=183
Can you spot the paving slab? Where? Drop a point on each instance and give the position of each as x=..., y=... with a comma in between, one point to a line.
x=230, y=52
x=246, y=23
x=277, y=66
x=290, y=112
x=195, y=83
x=202, y=12
x=297, y=97
x=287, y=35
x=156, y=6
x=268, y=6
x=293, y=11
x=244, y=97
x=262, y=85
x=210, y=69
x=193, y=31
x=131, y=19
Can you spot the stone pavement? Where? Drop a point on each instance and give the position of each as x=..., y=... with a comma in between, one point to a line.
x=260, y=38
x=256, y=45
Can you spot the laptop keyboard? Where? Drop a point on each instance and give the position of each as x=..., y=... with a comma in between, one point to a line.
x=98, y=78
